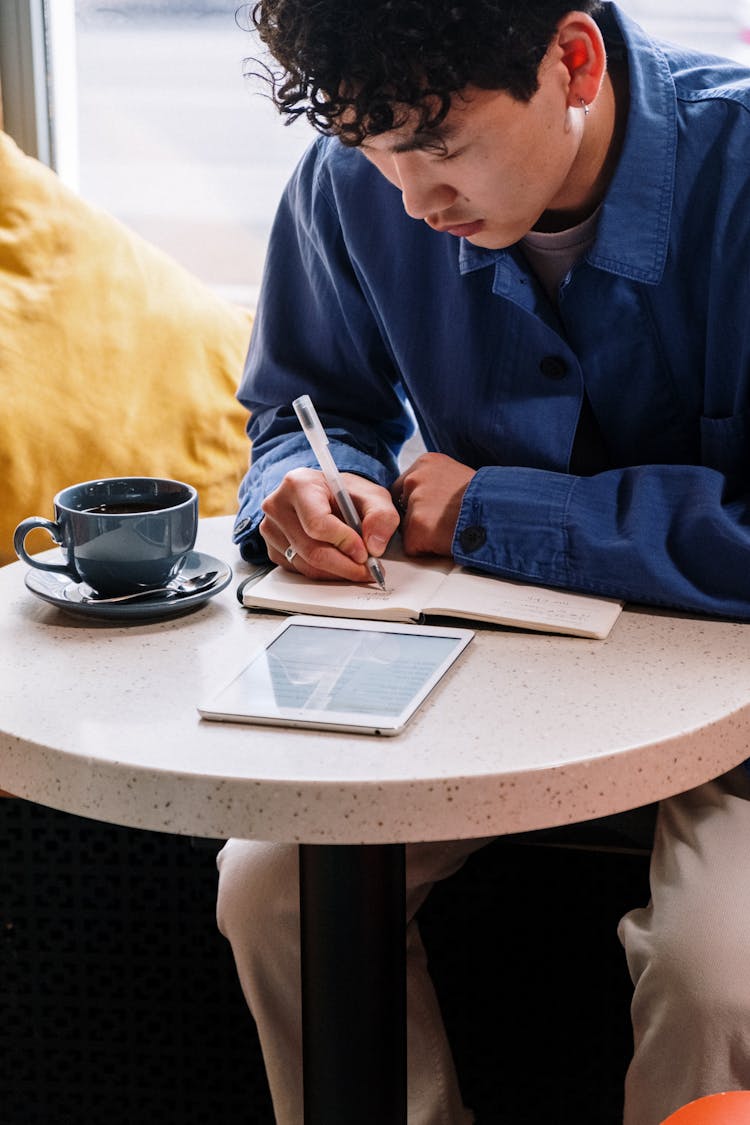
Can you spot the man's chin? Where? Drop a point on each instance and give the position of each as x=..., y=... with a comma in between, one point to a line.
x=487, y=239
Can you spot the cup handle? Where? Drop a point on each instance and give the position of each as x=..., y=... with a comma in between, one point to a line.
x=19, y=540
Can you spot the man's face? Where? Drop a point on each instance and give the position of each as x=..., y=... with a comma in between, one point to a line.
x=493, y=166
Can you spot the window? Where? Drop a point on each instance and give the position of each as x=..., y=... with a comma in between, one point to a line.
x=717, y=26
x=23, y=76
x=174, y=140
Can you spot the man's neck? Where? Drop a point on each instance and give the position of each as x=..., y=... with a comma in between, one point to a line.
x=598, y=155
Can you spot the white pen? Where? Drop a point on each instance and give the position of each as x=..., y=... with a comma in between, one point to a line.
x=316, y=435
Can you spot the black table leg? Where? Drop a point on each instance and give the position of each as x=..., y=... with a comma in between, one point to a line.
x=353, y=984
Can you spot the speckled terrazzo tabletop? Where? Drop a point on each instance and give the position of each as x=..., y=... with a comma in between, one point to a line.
x=527, y=731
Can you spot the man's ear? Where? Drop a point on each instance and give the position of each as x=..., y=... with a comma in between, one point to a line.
x=583, y=55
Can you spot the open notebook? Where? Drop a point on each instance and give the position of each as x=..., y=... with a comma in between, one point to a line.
x=418, y=589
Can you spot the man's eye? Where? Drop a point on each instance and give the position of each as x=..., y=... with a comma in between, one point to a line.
x=445, y=154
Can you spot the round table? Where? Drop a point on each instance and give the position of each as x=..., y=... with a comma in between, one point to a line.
x=527, y=730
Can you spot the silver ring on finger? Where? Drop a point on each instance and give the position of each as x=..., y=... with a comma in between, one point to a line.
x=289, y=554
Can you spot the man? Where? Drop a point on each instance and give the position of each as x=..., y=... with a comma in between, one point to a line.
x=529, y=227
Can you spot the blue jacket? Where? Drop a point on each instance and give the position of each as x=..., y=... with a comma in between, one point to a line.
x=375, y=315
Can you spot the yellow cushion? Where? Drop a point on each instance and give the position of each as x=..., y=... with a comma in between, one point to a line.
x=114, y=360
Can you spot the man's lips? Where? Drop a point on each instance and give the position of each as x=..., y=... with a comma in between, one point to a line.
x=460, y=230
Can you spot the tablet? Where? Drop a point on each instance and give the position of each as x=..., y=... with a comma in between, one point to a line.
x=340, y=674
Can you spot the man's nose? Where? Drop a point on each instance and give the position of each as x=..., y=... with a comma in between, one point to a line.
x=422, y=193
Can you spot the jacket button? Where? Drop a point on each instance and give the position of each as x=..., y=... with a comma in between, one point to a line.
x=472, y=538
x=241, y=526
x=553, y=366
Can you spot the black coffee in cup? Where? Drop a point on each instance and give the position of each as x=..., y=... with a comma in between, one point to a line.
x=119, y=535
x=114, y=509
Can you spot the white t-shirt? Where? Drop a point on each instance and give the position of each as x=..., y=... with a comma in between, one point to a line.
x=551, y=255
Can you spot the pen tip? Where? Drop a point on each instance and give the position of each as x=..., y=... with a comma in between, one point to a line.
x=376, y=571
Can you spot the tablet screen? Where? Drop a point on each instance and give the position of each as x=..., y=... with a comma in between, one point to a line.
x=344, y=674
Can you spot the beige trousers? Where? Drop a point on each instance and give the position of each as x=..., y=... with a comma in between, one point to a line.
x=687, y=951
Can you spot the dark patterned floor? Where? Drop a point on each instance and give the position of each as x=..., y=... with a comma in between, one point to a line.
x=119, y=1004
x=533, y=981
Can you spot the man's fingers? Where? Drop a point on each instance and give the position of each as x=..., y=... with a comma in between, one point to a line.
x=379, y=517
x=328, y=529
x=301, y=513
x=311, y=558
x=302, y=505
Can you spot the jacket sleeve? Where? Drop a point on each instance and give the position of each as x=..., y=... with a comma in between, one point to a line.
x=315, y=334
x=668, y=535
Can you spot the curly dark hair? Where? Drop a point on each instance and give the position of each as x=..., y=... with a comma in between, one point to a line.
x=356, y=68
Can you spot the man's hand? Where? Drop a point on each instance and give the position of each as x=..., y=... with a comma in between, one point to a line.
x=302, y=514
x=429, y=496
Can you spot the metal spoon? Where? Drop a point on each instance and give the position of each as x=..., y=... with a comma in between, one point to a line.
x=176, y=588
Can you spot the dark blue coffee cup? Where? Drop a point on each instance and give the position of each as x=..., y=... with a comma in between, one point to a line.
x=119, y=535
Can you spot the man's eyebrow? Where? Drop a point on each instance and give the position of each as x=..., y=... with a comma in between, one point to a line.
x=428, y=138
x=423, y=139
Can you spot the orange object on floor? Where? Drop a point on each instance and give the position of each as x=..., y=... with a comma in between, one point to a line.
x=732, y=1108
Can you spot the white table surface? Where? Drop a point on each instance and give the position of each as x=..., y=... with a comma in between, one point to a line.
x=527, y=731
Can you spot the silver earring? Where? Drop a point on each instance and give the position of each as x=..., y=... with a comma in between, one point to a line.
x=584, y=107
